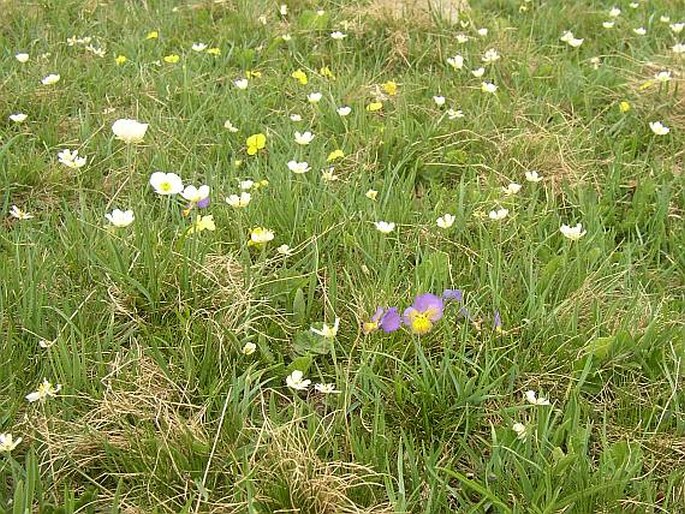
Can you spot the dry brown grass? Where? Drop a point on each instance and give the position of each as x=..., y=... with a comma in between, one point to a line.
x=424, y=10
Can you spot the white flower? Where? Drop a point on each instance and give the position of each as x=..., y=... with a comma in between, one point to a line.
x=194, y=194
x=44, y=343
x=338, y=36
x=511, y=189
x=295, y=381
x=129, y=131
x=295, y=117
x=634, y=5
x=71, y=159
x=520, y=430
x=284, y=250
x=263, y=19
x=240, y=83
x=573, y=233
x=329, y=332
x=659, y=128
x=22, y=57
x=44, y=390
x=283, y=10
x=261, y=235
x=488, y=87
x=446, y=221
x=119, y=218
x=230, y=127
x=533, y=176
x=246, y=185
x=596, y=62
x=457, y=62
x=371, y=194
x=499, y=214
x=198, y=47
x=491, y=55
x=640, y=31
x=314, y=98
x=298, y=167
x=665, y=19
x=663, y=76
x=532, y=398
x=575, y=42
x=678, y=48
x=8, y=443
x=19, y=117
x=453, y=115
x=482, y=32
x=329, y=175
x=384, y=227
x=566, y=36
x=239, y=201
x=99, y=52
x=17, y=213
x=344, y=110
x=462, y=38
x=166, y=183
x=304, y=138
x=320, y=12
x=478, y=72
x=286, y=37
x=439, y=100
x=326, y=388
x=608, y=24
x=615, y=12
x=249, y=348
x=53, y=78
x=677, y=28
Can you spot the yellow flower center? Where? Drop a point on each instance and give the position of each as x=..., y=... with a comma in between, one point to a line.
x=420, y=324
x=165, y=186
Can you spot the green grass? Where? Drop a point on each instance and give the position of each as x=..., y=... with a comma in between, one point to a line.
x=160, y=410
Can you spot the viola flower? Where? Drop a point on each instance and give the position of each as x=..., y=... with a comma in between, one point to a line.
x=296, y=381
x=453, y=294
x=260, y=236
x=19, y=117
x=249, y=348
x=389, y=88
x=314, y=98
x=439, y=100
x=17, y=213
x=512, y=189
x=456, y=62
x=51, y=79
x=374, y=106
x=326, y=388
x=386, y=319
x=198, y=47
x=423, y=314
x=119, y=218
x=304, y=138
x=488, y=87
x=298, y=167
x=533, y=176
x=329, y=332
x=22, y=57
x=659, y=128
x=446, y=221
x=255, y=143
x=45, y=390
x=344, y=111
x=8, y=443
x=71, y=159
x=533, y=399
x=195, y=195
x=499, y=214
x=166, y=183
x=497, y=323
x=300, y=76
x=203, y=223
x=573, y=233
x=384, y=227
x=239, y=202
x=129, y=131
x=240, y=83
x=334, y=155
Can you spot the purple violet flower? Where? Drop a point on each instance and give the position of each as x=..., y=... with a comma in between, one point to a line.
x=498, y=323
x=453, y=294
x=425, y=311
x=204, y=203
x=387, y=319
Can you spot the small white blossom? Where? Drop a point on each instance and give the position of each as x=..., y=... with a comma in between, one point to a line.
x=446, y=221
x=533, y=399
x=71, y=159
x=19, y=117
x=240, y=83
x=478, y=72
x=51, y=79
x=573, y=233
x=17, y=213
x=314, y=98
x=457, y=62
x=298, y=167
x=45, y=389
x=344, y=110
x=439, y=100
x=326, y=388
x=22, y=57
x=659, y=128
x=8, y=443
x=327, y=331
x=249, y=348
x=338, y=36
x=304, y=138
x=498, y=214
x=119, y=218
x=512, y=189
x=384, y=227
x=533, y=176
x=199, y=47
x=239, y=201
x=296, y=381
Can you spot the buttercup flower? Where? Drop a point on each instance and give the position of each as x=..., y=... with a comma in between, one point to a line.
x=533, y=176
x=314, y=98
x=8, y=443
x=166, y=183
x=296, y=381
x=344, y=111
x=249, y=349
x=384, y=226
x=386, y=319
x=298, y=167
x=239, y=201
x=203, y=223
x=255, y=143
x=119, y=218
x=19, y=117
x=22, y=57
x=389, y=88
x=120, y=59
x=334, y=155
x=53, y=78
x=573, y=233
x=260, y=236
x=171, y=59
x=659, y=128
x=153, y=34
x=624, y=106
x=300, y=76
x=45, y=389
x=71, y=159
x=423, y=314
x=17, y=213
x=304, y=138
x=129, y=131
x=446, y=221
x=374, y=106
x=499, y=214
x=329, y=332
x=533, y=399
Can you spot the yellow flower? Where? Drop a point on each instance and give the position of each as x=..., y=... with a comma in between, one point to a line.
x=152, y=35
x=300, y=76
x=327, y=73
x=624, y=106
x=214, y=51
x=203, y=223
x=390, y=87
x=646, y=85
x=120, y=59
x=260, y=184
x=253, y=74
x=335, y=154
x=255, y=143
x=374, y=106
x=172, y=59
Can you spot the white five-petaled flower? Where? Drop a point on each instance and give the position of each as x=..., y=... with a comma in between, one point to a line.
x=129, y=131
x=71, y=159
x=615, y=12
x=326, y=388
x=22, y=57
x=304, y=138
x=533, y=176
x=17, y=213
x=384, y=227
x=659, y=128
x=246, y=185
x=568, y=38
x=478, y=72
x=462, y=38
x=498, y=214
x=18, y=117
x=198, y=47
x=640, y=31
x=520, y=430
x=371, y=194
x=663, y=76
x=298, y=167
x=239, y=201
x=573, y=233
x=297, y=381
x=533, y=399
x=51, y=79
x=166, y=183
x=314, y=98
x=284, y=249
x=344, y=110
x=295, y=117
x=454, y=114
x=678, y=48
x=119, y=218
x=8, y=443
x=338, y=36
x=44, y=390
x=457, y=62
x=446, y=221
x=327, y=331
x=230, y=127
x=488, y=87
x=328, y=174
x=490, y=56
x=240, y=83
x=608, y=24
x=195, y=194
x=512, y=188
x=249, y=348
x=439, y=100
x=677, y=28
x=261, y=235
x=482, y=32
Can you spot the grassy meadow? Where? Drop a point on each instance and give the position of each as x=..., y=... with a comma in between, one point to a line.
x=395, y=313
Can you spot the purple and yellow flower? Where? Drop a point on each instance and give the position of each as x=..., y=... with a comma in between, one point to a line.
x=422, y=315
x=453, y=294
x=497, y=325
x=387, y=319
